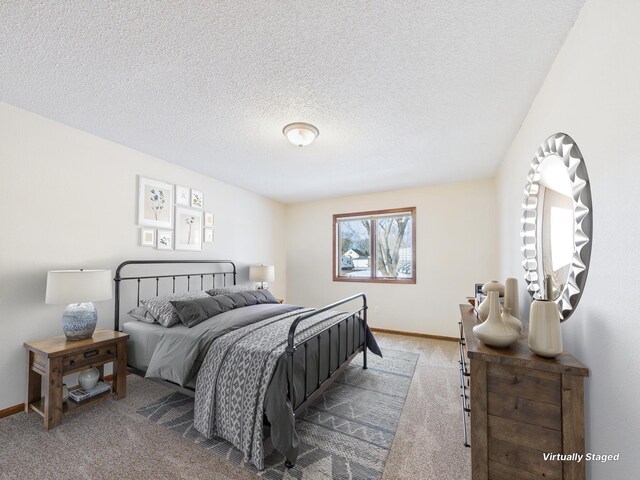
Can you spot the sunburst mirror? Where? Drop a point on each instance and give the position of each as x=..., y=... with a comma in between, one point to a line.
x=557, y=224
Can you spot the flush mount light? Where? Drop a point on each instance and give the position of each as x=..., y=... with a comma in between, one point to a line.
x=300, y=133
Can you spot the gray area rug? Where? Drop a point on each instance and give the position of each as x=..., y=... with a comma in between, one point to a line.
x=345, y=434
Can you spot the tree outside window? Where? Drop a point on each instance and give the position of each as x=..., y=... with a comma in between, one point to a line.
x=377, y=246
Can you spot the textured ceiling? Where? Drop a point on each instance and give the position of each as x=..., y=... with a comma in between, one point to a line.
x=405, y=93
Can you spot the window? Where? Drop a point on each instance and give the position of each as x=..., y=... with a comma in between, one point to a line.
x=376, y=246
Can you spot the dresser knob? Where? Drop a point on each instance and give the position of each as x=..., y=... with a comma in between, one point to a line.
x=72, y=363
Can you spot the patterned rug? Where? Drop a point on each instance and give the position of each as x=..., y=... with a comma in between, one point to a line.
x=345, y=434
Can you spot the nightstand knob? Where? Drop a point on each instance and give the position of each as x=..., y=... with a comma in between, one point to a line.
x=109, y=352
x=72, y=363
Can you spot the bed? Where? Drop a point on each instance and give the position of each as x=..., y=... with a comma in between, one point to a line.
x=250, y=368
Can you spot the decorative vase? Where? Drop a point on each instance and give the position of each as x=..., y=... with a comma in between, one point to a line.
x=511, y=298
x=89, y=378
x=483, y=309
x=79, y=321
x=510, y=321
x=493, y=331
x=65, y=393
x=492, y=286
x=545, y=335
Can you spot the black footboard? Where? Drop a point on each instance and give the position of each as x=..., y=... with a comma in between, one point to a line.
x=352, y=328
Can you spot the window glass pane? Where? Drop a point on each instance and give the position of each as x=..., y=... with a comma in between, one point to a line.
x=355, y=244
x=394, y=257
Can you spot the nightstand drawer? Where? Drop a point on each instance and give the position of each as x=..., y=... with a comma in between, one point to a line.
x=97, y=355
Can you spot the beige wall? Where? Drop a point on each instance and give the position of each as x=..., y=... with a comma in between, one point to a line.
x=592, y=93
x=456, y=247
x=68, y=200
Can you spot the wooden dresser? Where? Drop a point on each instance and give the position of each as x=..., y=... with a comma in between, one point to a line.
x=521, y=406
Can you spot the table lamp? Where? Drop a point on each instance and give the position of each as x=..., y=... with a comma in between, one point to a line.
x=77, y=289
x=262, y=274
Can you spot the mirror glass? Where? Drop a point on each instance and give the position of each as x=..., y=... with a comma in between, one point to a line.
x=557, y=224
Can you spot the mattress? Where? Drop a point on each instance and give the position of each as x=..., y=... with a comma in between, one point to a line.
x=143, y=339
x=179, y=342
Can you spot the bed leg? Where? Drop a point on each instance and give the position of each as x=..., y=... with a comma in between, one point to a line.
x=364, y=357
x=288, y=464
x=364, y=348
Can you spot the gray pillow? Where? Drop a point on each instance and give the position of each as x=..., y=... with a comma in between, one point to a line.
x=225, y=302
x=142, y=314
x=193, y=312
x=230, y=289
x=163, y=311
x=252, y=297
x=264, y=296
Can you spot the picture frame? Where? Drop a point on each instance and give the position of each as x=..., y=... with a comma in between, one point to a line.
x=155, y=203
x=164, y=240
x=188, y=232
x=183, y=196
x=197, y=199
x=208, y=219
x=147, y=237
x=208, y=235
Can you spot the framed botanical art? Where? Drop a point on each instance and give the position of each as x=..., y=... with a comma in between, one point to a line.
x=165, y=240
x=183, y=196
x=155, y=203
x=188, y=229
x=208, y=235
x=208, y=219
x=197, y=199
x=147, y=237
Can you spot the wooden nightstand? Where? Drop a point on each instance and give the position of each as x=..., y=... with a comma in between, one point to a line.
x=52, y=358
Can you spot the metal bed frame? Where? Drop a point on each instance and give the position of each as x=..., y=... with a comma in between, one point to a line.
x=352, y=324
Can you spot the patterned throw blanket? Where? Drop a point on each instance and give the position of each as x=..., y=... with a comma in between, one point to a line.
x=233, y=380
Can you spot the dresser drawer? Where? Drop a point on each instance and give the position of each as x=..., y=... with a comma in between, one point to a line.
x=94, y=356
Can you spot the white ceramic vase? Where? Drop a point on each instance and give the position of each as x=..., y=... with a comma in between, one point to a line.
x=511, y=298
x=65, y=393
x=89, y=378
x=492, y=286
x=510, y=321
x=545, y=335
x=483, y=309
x=493, y=331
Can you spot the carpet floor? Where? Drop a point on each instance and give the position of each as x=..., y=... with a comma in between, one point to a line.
x=345, y=435
x=112, y=440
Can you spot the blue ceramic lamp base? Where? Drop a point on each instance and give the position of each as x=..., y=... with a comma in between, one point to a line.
x=79, y=321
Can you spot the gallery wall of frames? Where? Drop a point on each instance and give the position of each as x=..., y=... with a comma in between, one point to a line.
x=172, y=217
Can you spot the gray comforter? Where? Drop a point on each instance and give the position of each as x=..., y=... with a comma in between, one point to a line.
x=179, y=354
x=239, y=362
x=238, y=372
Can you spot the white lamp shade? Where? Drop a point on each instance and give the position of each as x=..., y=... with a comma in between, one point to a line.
x=78, y=286
x=262, y=273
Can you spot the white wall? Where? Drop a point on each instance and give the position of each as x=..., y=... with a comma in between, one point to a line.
x=593, y=93
x=456, y=247
x=68, y=200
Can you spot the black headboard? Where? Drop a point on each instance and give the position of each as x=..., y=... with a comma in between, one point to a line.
x=228, y=269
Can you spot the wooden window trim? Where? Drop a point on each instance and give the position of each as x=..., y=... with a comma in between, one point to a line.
x=374, y=279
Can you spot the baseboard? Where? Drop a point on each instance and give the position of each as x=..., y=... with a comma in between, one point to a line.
x=20, y=407
x=11, y=410
x=414, y=334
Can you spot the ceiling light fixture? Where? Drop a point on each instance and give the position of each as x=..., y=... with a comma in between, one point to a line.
x=300, y=133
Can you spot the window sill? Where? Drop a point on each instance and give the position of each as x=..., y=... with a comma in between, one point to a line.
x=406, y=281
